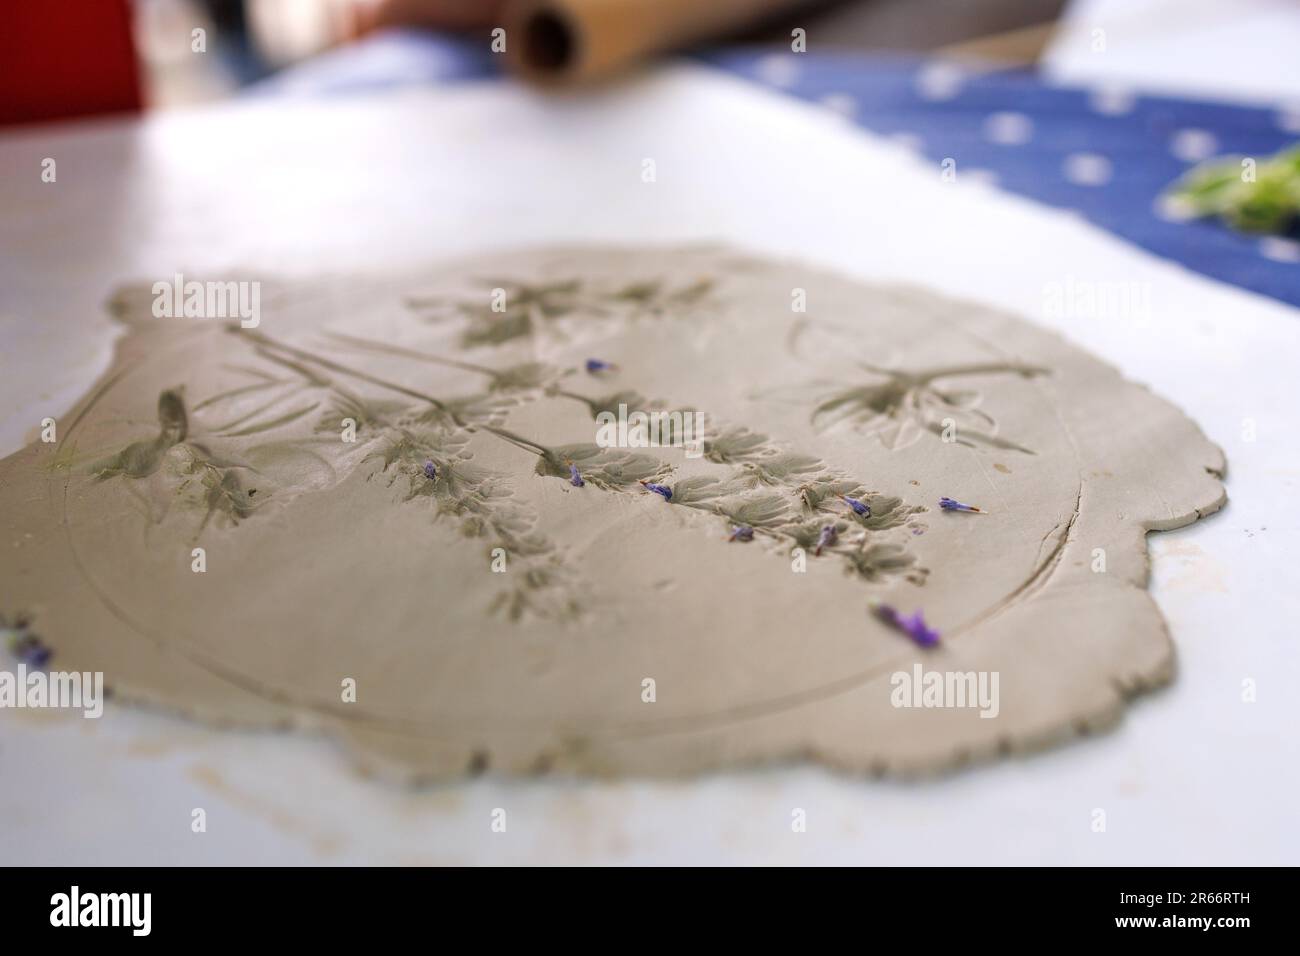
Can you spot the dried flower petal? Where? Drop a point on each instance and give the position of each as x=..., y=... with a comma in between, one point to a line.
x=913, y=626
x=827, y=538
x=596, y=366
x=663, y=490
x=859, y=506
x=29, y=649
x=741, y=532
x=575, y=476
x=952, y=504
x=430, y=471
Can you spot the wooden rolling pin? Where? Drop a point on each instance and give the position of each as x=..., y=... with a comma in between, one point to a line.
x=573, y=41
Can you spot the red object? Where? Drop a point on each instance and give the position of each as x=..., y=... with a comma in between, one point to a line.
x=61, y=58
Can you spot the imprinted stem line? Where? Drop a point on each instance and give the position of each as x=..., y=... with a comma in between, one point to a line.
x=364, y=376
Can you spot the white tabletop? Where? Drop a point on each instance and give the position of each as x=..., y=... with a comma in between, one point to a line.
x=1241, y=52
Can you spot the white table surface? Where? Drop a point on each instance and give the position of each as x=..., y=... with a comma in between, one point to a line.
x=1241, y=51
x=1192, y=775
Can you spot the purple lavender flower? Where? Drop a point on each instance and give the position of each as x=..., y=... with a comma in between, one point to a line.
x=913, y=626
x=741, y=532
x=575, y=476
x=952, y=504
x=596, y=366
x=30, y=650
x=663, y=490
x=430, y=471
x=825, y=539
x=859, y=506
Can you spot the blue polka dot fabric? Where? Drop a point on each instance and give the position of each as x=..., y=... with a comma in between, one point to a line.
x=1106, y=153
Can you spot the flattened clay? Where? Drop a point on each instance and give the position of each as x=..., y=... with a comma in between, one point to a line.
x=476, y=581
